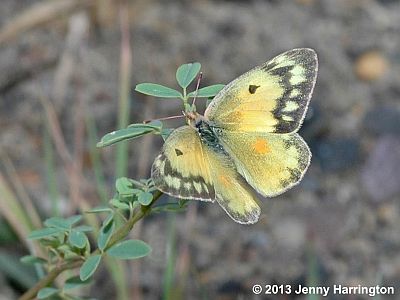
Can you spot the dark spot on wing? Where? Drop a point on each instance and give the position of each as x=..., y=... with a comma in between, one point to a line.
x=253, y=88
x=178, y=152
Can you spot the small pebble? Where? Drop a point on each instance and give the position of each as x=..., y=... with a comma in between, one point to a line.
x=371, y=66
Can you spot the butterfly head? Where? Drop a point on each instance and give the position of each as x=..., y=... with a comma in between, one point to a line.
x=194, y=118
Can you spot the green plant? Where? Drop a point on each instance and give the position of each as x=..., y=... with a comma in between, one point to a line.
x=66, y=241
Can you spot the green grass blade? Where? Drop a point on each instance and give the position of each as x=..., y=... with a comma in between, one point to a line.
x=11, y=267
x=96, y=160
x=169, y=273
x=51, y=174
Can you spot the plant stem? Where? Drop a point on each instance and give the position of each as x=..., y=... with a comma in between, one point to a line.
x=119, y=235
x=49, y=278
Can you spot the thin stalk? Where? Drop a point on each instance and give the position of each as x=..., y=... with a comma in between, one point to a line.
x=125, y=77
x=96, y=160
x=51, y=174
x=171, y=259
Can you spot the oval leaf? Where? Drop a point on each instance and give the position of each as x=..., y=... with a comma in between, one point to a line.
x=157, y=90
x=119, y=204
x=47, y=292
x=145, y=198
x=129, y=249
x=77, y=239
x=74, y=282
x=123, y=134
x=105, y=235
x=31, y=259
x=124, y=186
x=73, y=219
x=57, y=223
x=208, y=91
x=89, y=267
x=43, y=233
x=166, y=132
x=99, y=209
x=83, y=228
x=187, y=73
x=156, y=125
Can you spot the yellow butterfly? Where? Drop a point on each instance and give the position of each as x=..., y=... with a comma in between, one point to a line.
x=247, y=137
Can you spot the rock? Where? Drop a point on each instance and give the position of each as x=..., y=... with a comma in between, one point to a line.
x=383, y=120
x=381, y=173
x=337, y=154
x=371, y=65
x=289, y=234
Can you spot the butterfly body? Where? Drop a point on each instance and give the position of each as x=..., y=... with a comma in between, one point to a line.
x=246, y=141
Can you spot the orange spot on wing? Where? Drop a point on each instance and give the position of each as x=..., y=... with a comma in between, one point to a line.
x=261, y=146
x=224, y=180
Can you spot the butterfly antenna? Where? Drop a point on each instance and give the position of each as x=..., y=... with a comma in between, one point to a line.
x=165, y=118
x=197, y=87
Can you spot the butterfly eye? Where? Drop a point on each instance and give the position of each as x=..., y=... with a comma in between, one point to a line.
x=253, y=88
x=178, y=152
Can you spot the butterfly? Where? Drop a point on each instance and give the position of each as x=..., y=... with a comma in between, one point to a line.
x=247, y=140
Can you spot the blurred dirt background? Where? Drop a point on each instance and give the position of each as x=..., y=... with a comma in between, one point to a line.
x=341, y=225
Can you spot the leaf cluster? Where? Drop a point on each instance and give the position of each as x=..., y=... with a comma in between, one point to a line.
x=67, y=241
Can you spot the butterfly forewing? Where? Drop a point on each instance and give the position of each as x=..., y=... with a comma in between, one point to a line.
x=181, y=169
x=271, y=98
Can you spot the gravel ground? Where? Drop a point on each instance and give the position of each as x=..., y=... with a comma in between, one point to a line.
x=341, y=225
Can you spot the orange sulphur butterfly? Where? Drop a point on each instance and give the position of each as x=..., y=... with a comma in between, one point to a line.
x=246, y=141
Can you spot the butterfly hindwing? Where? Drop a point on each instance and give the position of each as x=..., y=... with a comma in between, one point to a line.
x=270, y=163
x=181, y=169
x=191, y=169
x=271, y=98
x=232, y=193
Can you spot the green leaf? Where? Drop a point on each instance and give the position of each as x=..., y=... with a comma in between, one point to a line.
x=145, y=198
x=168, y=207
x=208, y=91
x=118, y=204
x=31, y=260
x=57, y=222
x=73, y=219
x=99, y=209
x=67, y=251
x=89, y=267
x=47, y=292
x=156, y=125
x=74, y=282
x=105, y=235
x=77, y=239
x=43, y=233
x=124, y=186
x=166, y=132
x=83, y=228
x=157, y=90
x=187, y=73
x=183, y=202
x=123, y=134
x=108, y=219
x=188, y=107
x=129, y=249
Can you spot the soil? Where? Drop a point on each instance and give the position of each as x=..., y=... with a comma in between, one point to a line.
x=340, y=225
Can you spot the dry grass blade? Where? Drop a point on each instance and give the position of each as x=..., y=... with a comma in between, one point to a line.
x=13, y=212
x=40, y=14
x=11, y=172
